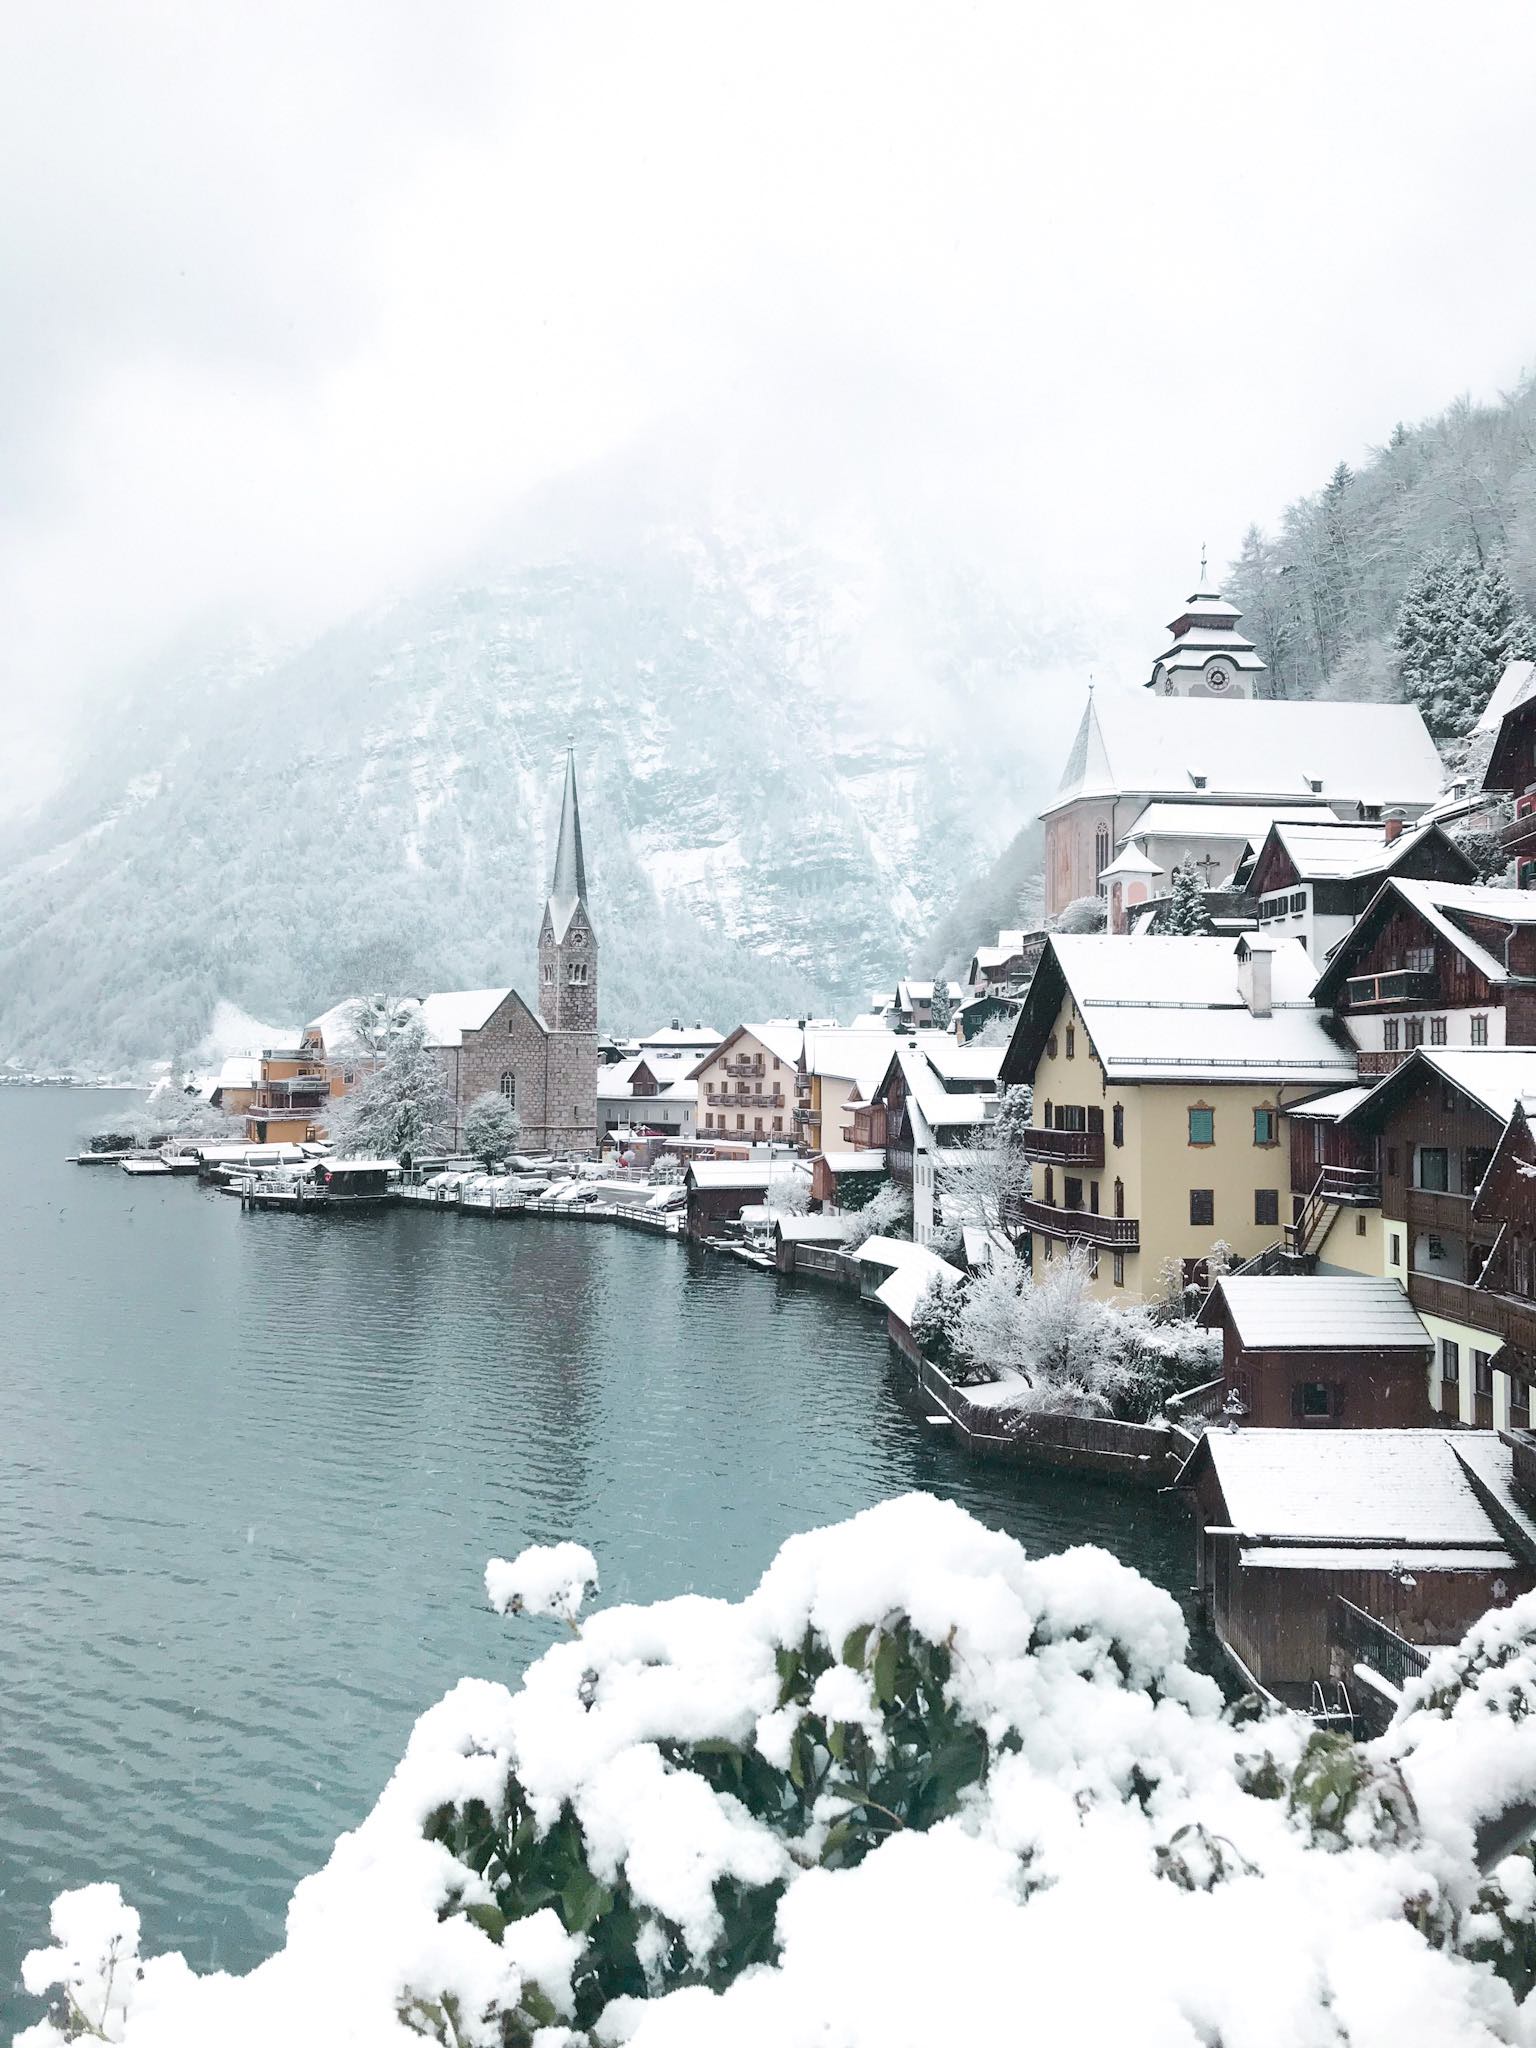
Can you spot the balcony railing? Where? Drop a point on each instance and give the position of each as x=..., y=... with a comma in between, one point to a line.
x=1065, y=1148
x=1433, y=1209
x=1457, y=1302
x=1400, y=985
x=743, y=1066
x=1358, y=1185
x=1523, y=827
x=1365, y=1640
x=1081, y=1225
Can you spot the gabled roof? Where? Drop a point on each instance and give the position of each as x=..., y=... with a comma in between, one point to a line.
x=782, y=1040
x=731, y=1173
x=685, y=1039
x=1331, y=849
x=1251, y=749
x=1514, y=687
x=858, y=1056
x=1441, y=905
x=446, y=1017
x=1170, y=1009
x=909, y=1282
x=1311, y=1313
x=1377, y=1486
x=1498, y=1078
x=1514, y=1159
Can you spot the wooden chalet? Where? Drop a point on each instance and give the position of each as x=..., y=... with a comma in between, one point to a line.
x=1313, y=878
x=1503, y=1212
x=1435, y=963
x=1438, y=1122
x=1512, y=764
x=1318, y=1552
x=1303, y=1352
x=719, y=1189
x=846, y=1179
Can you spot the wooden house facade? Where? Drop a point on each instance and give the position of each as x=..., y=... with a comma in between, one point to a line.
x=1435, y=964
x=1512, y=770
x=1321, y=1353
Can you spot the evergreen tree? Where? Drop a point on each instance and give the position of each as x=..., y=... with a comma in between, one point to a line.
x=491, y=1128
x=402, y=1107
x=941, y=1014
x=1183, y=916
x=1457, y=627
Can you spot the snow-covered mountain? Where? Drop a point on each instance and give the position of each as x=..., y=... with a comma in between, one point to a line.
x=792, y=755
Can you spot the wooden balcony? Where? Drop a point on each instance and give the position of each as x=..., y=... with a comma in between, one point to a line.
x=1430, y=1209
x=1400, y=985
x=1374, y=1064
x=1081, y=1226
x=1458, y=1303
x=1522, y=831
x=1064, y=1148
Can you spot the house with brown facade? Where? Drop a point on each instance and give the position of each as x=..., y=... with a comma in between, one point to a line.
x=1313, y=878
x=1304, y=1352
x=1435, y=964
x=1511, y=771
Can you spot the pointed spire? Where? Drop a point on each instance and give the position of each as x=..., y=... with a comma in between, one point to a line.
x=569, y=886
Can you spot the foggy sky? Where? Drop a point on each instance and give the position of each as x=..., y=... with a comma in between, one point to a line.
x=295, y=299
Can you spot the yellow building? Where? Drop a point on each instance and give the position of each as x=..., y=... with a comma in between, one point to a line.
x=287, y=1106
x=839, y=1073
x=1162, y=1071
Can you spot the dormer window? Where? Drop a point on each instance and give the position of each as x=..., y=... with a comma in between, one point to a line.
x=1315, y=784
x=1199, y=781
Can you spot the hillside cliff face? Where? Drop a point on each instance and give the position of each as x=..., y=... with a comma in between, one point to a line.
x=791, y=760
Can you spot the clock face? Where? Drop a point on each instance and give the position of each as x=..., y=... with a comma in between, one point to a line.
x=1218, y=679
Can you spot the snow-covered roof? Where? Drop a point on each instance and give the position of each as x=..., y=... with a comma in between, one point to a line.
x=1171, y=1009
x=1313, y=1313
x=731, y=1173
x=1513, y=687
x=1132, y=861
x=1250, y=749
x=239, y=1073
x=701, y=1036
x=887, y=1251
x=1500, y=1077
x=446, y=1016
x=869, y=1160
x=927, y=1093
x=1441, y=903
x=860, y=1056
x=1329, y=1108
x=1318, y=1557
x=814, y=1229
x=907, y=1285
x=1333, y=849
x=1378, y=1486
x=1165, y=819
x=359, y=1165
x=955, y=1062
x=909, y=992
x=870, y=1021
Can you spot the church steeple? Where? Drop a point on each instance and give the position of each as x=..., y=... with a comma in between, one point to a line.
x=569, y=886
x=1208, y=656
x=567, y=942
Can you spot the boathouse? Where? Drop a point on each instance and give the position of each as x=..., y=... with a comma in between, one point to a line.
x=1321, y=1353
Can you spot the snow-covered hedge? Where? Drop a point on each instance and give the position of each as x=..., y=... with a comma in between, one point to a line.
x=915, y=1789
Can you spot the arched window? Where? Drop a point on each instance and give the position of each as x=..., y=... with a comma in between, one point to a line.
x=1119, y=1197
x=1100, y=851
x=509, y=1088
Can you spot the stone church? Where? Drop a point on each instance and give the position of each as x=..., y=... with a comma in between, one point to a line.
x=545, y=1061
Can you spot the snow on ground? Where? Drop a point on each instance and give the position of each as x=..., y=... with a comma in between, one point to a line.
x=1125, y=1869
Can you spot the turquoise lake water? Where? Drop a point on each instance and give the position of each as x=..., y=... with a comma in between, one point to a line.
x=251, y=1467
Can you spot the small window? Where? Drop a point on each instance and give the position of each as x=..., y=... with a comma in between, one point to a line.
x=709, y=1120
x=1395, y=1250
x=1266, y=1205
x=1071, y=1041
x=741, y=1122
x=1119, y=1269
x=1298, y=902
x=1266, y=1127
x=1119, y=1197
x=1413, y=1032
x=1314, y=1398
x=778, y=1123
x=1421, y=959
x=1117, y=1123
x=1391, y=1162
x=1202, y=1127
x=1437, y=1031
x=1389, y=1035
x=1450, y=1362
x=509, y=1088
x=1202, y=1205
x=1050, y=1047
x=1480, y=1030
x=1434, y=1168
x=1050, y=1249
x=577, y=974
x=1520, y=1395
x=549, y=970
x=1093, y=1262
x=1434, y=1248
x=1482, y=1372
x=1360, y=1223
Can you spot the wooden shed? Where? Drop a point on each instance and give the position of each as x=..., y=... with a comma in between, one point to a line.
x=1417, y=1530
x=1321, y=1353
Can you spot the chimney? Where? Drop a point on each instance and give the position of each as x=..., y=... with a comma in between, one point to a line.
x=1393, y=826
x=1255, y=975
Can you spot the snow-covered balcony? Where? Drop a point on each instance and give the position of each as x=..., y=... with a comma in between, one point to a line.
x=1064, y=1148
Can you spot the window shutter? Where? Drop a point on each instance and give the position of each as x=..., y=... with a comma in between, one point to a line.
x=1296, y=1401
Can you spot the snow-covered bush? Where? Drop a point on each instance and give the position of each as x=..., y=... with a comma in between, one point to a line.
x=788, y=1193
x=491, y=1128
x=887, y=1213
x=1084, y=914
x=914, y=1789
x=1069, y=1351
x=935, y=1325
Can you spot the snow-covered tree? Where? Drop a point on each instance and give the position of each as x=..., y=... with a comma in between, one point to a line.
x=887, y=1213
x=1084, y=914
x=781, y=1819
x=491, y=1128
x=984, y=1182
x=402, y=1108
x=941, y=1011
x=1459, y=624
x=1183, y=915
x=789, y=1191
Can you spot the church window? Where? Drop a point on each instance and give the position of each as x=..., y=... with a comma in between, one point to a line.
x=577, y=975
x=578, y=938
x=549, y=970
x=1100, y=851
x=509, y=1088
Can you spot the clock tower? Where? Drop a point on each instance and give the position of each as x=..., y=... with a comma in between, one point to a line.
x=1208, y=656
